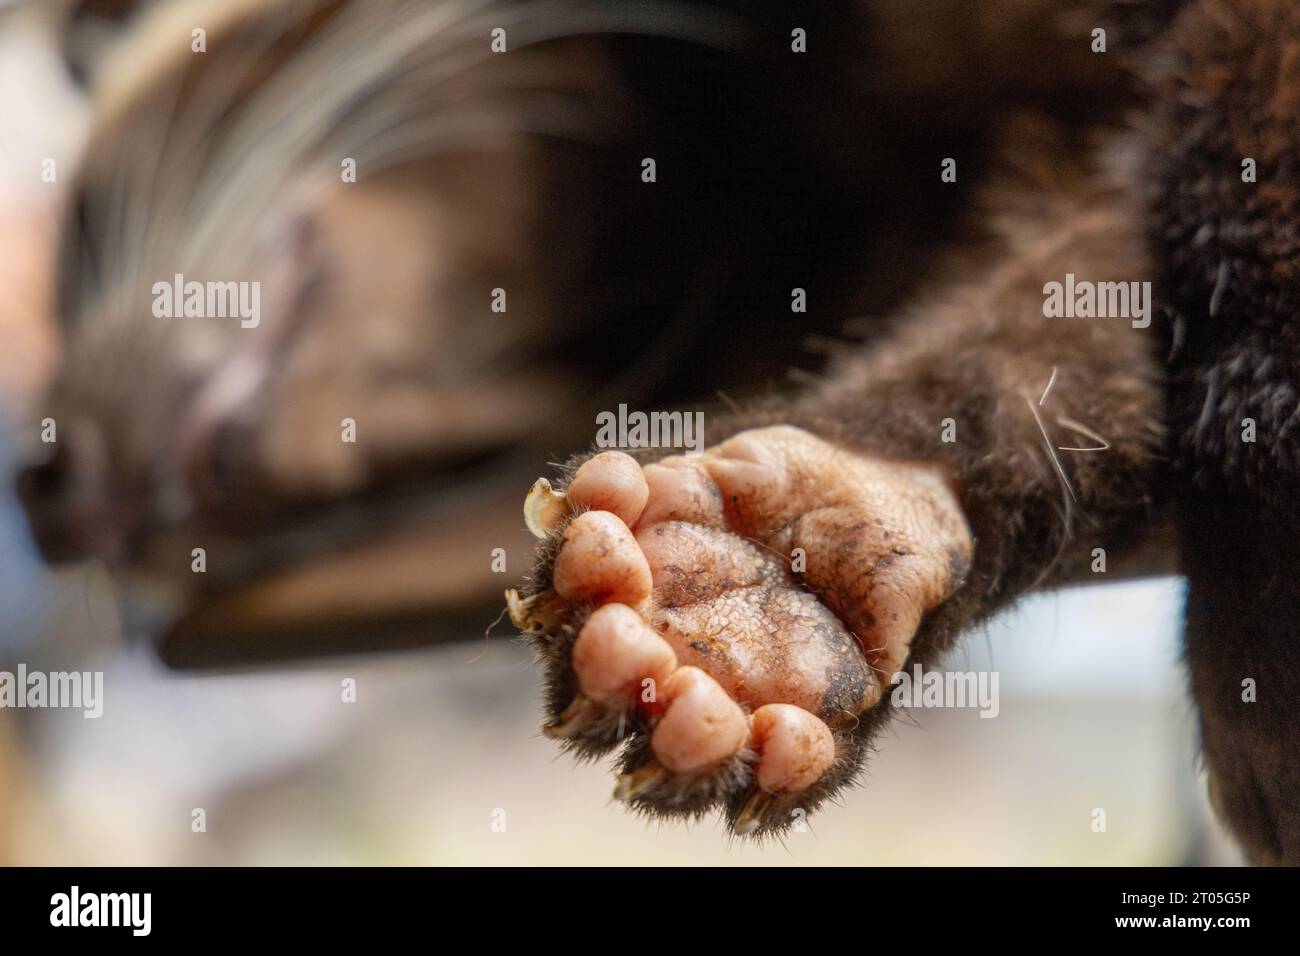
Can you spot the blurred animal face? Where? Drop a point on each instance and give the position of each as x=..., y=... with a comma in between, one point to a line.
x=336, y=285
x=314, y=285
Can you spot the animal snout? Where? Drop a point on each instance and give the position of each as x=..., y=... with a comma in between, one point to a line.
x=65, y=492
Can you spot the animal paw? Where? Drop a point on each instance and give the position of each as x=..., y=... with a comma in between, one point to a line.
x=727, y=619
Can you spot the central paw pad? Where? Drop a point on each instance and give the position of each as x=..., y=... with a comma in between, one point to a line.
x=727, y=619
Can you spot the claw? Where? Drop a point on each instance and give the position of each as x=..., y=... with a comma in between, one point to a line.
x=632, y=785
x=544, y=508
x=518, y=609
x=573, y=718
x=540, y=612
x=751, y=817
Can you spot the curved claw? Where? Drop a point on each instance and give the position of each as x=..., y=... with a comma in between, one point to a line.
x=537, y=613
x=632, y=785
x=519, y=608
x=581, y=712
x=751, y=816
x=544, y=508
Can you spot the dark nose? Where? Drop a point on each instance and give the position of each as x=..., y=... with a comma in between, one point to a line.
x=65, y=493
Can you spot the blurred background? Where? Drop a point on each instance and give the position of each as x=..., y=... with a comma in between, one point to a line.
x=439, y=759
x=442, y=746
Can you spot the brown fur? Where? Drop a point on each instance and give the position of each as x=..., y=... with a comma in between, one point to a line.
x=781, y=195
x=981, y=352
x=1230, y=278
